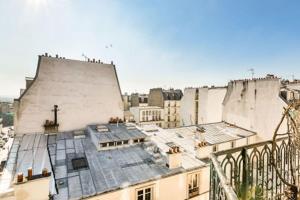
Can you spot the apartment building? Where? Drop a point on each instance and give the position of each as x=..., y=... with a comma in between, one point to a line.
x=126, y=101
x=137, y=99
x=170, y=101
x=68, y=94
x=202, y=105
x=148, y=115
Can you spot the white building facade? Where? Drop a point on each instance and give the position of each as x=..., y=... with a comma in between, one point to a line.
x=202, y=105
x=148, y=115
x=84, y=92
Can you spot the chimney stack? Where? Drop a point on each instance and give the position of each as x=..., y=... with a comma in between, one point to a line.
x=174, y=157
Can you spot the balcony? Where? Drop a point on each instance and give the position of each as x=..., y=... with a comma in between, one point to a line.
x=247, y=172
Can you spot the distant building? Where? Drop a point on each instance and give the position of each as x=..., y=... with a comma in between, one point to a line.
x=126, y=101
x=138, y=99
x=202, y=105
x=148, y=115
x=68, y=94
x=6, y=107
x=170, y=101
x=290, y=90
x=1, y=125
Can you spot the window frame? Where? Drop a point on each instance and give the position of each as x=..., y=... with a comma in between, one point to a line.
x=143, y=195
x=195, y=189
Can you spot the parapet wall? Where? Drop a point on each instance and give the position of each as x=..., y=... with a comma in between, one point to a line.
x=85, y=92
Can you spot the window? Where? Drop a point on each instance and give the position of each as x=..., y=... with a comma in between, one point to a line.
x=103, y=145
x=125, y=142
x=111, y=144
x=215, y=148
x=193, y=184
x=145, y=194
x=119, y=143
x=135, y=141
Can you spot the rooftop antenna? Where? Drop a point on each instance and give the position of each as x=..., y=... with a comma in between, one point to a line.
x=85, y=57
x=252, y=72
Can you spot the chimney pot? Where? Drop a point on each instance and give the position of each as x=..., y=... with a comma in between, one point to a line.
x=29, y=170
x=20, y=177
x=45, y=172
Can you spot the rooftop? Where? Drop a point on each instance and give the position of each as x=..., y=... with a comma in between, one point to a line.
x=107, y=170
x=115, y=132
x=80, y=170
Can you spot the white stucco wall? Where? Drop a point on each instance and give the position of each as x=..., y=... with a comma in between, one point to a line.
x=187, y=109
x=209, y=107
x=254, y=105
x=210, y=104
x=85, y=93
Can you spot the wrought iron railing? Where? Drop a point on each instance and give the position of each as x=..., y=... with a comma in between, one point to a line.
x=247, y=172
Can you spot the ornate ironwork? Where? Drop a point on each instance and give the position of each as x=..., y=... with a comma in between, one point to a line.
x=249, y=173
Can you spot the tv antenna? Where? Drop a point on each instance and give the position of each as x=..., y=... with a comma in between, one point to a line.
x=85, y=57
x=252, y=72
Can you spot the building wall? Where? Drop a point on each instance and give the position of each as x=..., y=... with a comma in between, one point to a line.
x=155, y=97
x=85, y=93
x=187, y=109
x=134, y=100
x=1, y=125
x=126, y=102
x=210, y=106
x=174, y=187
x=5, y=107
x=171, y=113
x=148, y=115
x=254, y=105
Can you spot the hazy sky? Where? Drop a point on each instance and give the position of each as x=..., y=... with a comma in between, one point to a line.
x=155, y=43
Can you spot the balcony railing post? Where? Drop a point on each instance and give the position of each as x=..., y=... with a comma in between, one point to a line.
x=244, y=187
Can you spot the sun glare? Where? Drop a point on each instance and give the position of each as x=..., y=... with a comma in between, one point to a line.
x=37, y=3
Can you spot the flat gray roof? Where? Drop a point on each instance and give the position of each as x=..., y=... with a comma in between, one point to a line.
x=220, y=132
x=107, y=170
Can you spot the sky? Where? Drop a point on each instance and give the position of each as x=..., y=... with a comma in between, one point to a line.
x=154, y=43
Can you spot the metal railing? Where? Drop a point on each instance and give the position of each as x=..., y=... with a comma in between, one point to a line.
x=247, y=172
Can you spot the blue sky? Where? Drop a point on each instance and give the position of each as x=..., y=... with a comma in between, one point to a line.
x=155, y=43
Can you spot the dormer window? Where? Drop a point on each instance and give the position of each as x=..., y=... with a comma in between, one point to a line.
x=103, y=144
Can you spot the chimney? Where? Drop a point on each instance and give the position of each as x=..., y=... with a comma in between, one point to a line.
x=174, y=157
x=46, y=54
x=45, y=172
x=29, y=171
x=20, y=178
x=56, y=56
